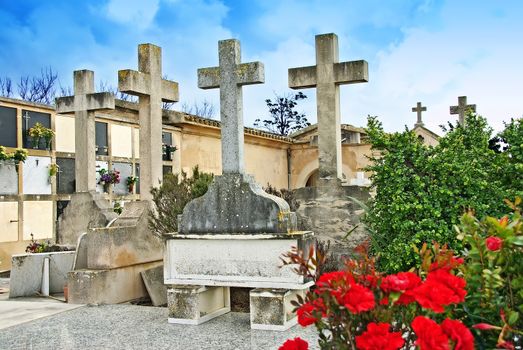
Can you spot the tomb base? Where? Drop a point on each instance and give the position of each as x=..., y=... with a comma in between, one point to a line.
x=271, y=309
x=111, y=286
x=194, y=305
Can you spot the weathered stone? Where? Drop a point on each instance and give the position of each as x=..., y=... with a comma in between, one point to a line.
x=462, y=109
x=230, y=76
x=326, y=76
x=271, y=309
x=234, y=203
x=27, y=270
x=111, y=286
x=127, y=241
x=419, y=109
x=196, y=304
x=148, y=85
x=153, y=280
x=8, y=178
x=85, y=211
x=83, y=104
x=234, y=260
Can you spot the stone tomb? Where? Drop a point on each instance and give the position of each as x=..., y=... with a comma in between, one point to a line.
x=234, y=235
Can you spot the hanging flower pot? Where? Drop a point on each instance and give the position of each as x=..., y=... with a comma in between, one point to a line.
x=106, y=187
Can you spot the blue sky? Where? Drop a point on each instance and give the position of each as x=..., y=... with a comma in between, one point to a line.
x=418, y=50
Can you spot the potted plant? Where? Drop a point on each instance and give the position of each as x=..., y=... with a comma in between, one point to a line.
x=108, y=177
x=35, y=133
x=20, y=155
x=53, y=170
x=131, y=180
x=48, y=135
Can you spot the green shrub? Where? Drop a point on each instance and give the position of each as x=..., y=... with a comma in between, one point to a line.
x=172, y=196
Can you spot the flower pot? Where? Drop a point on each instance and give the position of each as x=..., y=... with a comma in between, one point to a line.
x=106, y=187
x=35, y=142
x=130, y=188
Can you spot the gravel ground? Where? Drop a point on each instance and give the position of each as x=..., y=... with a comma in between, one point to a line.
x=140, y=327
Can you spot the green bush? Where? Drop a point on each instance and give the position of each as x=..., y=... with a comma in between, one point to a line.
x=422, y=191
x=172, y=196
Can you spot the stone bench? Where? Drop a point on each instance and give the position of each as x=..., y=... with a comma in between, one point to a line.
x=199, y=269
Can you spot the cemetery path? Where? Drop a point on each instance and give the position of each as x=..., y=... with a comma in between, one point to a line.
x=128, y=326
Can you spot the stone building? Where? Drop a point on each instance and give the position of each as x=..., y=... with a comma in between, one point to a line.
x=31, y=200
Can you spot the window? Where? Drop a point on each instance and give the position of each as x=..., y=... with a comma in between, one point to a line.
x=102, y=147
x=8, y=127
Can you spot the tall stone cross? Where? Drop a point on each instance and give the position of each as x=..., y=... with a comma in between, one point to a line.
x=419, y=110
x=462, y=109
x=327, y=75
x=83, y=104
x=229, y=77
x=148, y=85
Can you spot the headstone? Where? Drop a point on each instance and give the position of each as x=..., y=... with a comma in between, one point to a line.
x=462, y=109
x=147, y=83
x=65, y=176
x=83, y=104
x=8, y=178
x=126, y=170
x=327, y=75
x=8, y=123
x=419, y=110
x=36, y=175
x=153, y=280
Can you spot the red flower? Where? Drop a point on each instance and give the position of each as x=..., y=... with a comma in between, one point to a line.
x=439, y=289
x=305, y=314
x=400, y=282
x=494, y=243
x=378, y=337
x=358, y=299
x=430, y=335
x=295, y=344
x=459, y=334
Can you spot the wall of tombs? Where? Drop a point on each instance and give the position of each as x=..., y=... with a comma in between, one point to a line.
x=31, y=200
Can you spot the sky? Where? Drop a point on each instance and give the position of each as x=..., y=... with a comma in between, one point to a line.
x=431, y=51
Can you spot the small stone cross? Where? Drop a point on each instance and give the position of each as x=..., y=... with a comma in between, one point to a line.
x=229, y=77
x=462, y=109
x=419, y=109
x=83, y=104
x=148, y=85
x=327, y=75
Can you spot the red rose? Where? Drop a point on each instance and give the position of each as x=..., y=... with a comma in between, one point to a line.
x=378, y=337
x=400, y=282
x=494, y=243
x=439, y=289
x=295, y=344
x=430, y=335
x=459, y=334
x=358, y=299
x=305, y=314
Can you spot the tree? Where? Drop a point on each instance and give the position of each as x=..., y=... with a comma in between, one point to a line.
x=6, y=87
x=283, y=118
x=204, y=109
x=39, y=89
x=422, y=191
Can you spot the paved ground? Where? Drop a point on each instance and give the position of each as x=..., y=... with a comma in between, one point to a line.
x=141, y=327
x=43, y=323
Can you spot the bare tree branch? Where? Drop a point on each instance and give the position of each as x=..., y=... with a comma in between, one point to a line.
x=6, y=87
x=38, y=89
x=204, y=109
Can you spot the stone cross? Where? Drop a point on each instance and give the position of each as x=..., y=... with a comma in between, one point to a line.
x=419, y=109
x=327, y=75
x=462, y=109
x=83, y=104
x=148, y=85
x=229, y=77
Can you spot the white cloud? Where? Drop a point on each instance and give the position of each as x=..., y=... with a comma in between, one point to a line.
x=139, y=13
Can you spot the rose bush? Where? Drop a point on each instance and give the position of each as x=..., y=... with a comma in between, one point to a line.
x=361, y=308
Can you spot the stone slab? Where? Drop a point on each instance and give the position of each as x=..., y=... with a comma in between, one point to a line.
x=271, y=309
x=36, y=175
x=236, y=203
x=27, y=269
x=235, y=260
x=126, y=170
x=194, y=305
x=8, y=178
x=153, y=280
x=108, y=286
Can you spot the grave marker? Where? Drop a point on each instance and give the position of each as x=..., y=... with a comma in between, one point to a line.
x=462, y=108
x=327, y=75
x=419, y=110
x=148, y=85
x=229, y=77
x=83, y=104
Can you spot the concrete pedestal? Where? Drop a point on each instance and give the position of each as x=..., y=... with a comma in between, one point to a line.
x=271, y=309
x=196, y=304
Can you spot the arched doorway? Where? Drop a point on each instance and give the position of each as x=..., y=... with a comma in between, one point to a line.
x=313, y=179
